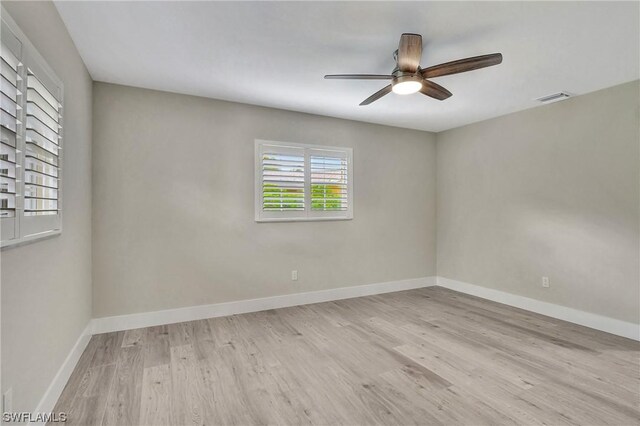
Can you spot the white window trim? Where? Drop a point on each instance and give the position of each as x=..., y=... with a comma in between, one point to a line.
x=32, y=58
x=307, y=215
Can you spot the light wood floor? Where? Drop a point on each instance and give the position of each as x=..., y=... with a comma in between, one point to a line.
x=428, y=356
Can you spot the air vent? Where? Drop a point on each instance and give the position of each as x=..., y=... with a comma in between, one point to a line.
x=554, y=97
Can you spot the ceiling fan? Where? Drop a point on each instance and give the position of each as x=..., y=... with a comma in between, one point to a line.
x=407, y=77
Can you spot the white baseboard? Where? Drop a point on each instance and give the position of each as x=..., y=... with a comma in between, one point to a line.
x=192, y=313
x=587, y=319
x=53, y=392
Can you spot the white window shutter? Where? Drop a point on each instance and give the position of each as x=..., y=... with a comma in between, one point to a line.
x=329, y=181
x=302, y=182
x=31, y=144
x=280, y=181
x=10, y=122
x=43, y=128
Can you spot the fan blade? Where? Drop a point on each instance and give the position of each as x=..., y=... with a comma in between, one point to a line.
x=409, y=52
x=380, y=93
x=434, y=90
x=462, y=65
x=358, y=77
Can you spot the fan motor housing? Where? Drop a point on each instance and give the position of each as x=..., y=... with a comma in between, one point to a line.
x=401, y=77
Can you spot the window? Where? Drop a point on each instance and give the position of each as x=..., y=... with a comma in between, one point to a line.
x=30, y=141
x=302, y=182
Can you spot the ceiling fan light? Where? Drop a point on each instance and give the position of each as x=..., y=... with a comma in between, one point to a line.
x=406, y=87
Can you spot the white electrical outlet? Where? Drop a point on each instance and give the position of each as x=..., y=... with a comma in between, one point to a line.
x=7, y=401
x=294, y=275
x=545, y=282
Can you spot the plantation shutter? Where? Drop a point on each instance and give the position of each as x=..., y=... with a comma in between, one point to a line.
x=31, y=141
x=42, y=149
x=329, y=181
x=282, y=180
x=10, y=121
x=302, y=182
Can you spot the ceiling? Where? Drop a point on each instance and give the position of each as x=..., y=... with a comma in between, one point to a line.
x=276, y=53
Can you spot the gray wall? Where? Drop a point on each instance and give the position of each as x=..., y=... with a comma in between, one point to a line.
x=174, y=204
x=552, y=191
x=46, y=285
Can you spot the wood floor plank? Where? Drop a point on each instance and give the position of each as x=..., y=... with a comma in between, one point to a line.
x=155, y=400
x=156, y=346
x=187, y=407
x=89, y=405
x=203, y=340
x=108, y=348
x=123, y=405
x=427, y=356
x=133, y=337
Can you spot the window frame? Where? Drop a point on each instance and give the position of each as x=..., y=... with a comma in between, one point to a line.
x=32, y=228
x=307, y=215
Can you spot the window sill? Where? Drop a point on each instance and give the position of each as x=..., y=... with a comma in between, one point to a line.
x=18, y=242
x=301, y=219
